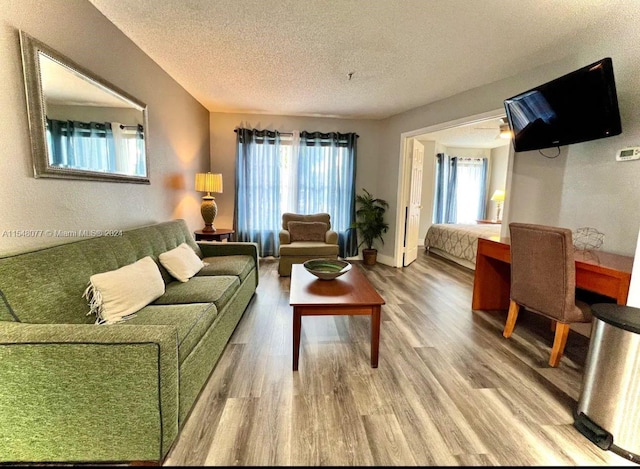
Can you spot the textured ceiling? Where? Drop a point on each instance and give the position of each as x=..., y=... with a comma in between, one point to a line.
x=293, y=57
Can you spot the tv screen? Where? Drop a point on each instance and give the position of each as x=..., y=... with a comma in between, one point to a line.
x=577, y=107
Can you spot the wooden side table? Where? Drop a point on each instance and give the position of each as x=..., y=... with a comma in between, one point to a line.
x=488, y=222
x=218, y=235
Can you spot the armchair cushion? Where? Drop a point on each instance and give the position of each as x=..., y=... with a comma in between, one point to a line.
x=309, y=248
x=322, y=217
x=307, y=231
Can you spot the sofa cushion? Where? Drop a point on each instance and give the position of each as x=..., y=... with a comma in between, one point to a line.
x=205, y=289
x=181, y=262
x=238, y=265
x=116, y=294
x=308, y=248
x=6, y=313
x=45, y=286
x=191, y=322
x=307, y=231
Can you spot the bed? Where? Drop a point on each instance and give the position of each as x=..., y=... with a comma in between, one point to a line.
x=458, y=243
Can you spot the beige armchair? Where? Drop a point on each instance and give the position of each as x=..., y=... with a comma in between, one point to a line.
x=305, y=237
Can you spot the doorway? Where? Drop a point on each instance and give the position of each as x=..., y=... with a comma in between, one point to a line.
x=472, y=137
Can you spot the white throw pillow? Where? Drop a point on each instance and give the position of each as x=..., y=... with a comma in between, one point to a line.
x=181, y=262
x=119, y=293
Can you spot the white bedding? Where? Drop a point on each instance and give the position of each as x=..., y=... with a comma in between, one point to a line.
x=458, y=243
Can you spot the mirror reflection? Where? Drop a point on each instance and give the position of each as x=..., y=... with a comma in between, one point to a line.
x=82, y=127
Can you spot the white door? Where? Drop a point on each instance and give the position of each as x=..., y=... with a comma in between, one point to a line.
x=415, y=197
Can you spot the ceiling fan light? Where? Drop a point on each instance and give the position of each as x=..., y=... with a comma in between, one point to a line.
x=505, y=132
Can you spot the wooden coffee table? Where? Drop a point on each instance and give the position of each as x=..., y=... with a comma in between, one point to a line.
x=349, y=294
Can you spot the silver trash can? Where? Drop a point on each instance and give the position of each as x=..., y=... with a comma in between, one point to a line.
x=608, y=411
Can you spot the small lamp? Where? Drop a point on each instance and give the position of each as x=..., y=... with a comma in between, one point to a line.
x=208, y=182
x=498, y=198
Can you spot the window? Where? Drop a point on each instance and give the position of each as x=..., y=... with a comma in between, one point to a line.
x=460, y=189
x=470, y=190
x=310, y=172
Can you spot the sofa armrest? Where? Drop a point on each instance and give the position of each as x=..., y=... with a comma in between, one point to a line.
x=331, y=237
x=83, y=392
x=211, y=249
x=285, y=237
x=230, y=249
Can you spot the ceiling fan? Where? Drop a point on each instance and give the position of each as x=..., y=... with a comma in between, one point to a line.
x=504, y=131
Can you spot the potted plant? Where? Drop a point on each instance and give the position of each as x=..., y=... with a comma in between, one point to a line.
x=370, y=224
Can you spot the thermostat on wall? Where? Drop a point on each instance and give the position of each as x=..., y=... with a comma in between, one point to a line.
x=627, y=154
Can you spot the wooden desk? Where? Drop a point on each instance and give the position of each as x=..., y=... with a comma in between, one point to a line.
x=600, y=272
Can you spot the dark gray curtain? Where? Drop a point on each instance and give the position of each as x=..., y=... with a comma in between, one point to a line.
x=84, y=145
x=451, y=212
x=441, y=171
x=258, y=216
x=326, y=182
x=446, y=184
x=482, y=201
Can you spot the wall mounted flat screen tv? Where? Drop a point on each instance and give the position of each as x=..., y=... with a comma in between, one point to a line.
x=577, y=107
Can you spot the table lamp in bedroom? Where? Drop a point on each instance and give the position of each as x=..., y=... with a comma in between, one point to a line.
x=498, y=198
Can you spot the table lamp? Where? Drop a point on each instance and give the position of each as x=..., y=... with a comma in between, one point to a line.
x=208, y=182
x=498, y=198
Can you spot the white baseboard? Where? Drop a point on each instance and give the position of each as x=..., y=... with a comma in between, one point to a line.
x=386, y=260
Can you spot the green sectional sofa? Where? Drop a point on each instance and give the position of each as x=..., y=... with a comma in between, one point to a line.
x=75, y=391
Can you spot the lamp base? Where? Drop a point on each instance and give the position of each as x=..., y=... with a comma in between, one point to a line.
x=209, y=210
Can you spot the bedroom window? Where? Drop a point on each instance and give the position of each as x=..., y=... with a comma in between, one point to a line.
x=461, y=186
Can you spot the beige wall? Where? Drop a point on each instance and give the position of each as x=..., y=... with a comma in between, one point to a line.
x=583, y=186
x=498, y=177
x=178, y=134
x=223, y=149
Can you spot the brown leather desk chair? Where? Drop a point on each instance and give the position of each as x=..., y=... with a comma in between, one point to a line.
x=543, y=280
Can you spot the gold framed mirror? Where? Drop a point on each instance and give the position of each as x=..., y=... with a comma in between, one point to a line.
x=81, y=126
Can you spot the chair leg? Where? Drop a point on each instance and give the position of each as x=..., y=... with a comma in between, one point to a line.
x=514, y=308
x=560, y=340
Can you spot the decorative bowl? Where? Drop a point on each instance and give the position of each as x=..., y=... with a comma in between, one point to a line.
x=327, y=269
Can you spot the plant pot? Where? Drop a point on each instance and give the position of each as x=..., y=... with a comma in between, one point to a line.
x=369, y=256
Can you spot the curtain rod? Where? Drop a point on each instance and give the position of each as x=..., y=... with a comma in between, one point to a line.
x=290, y=134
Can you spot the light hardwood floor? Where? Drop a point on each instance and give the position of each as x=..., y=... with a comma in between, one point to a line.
x=449, y=389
